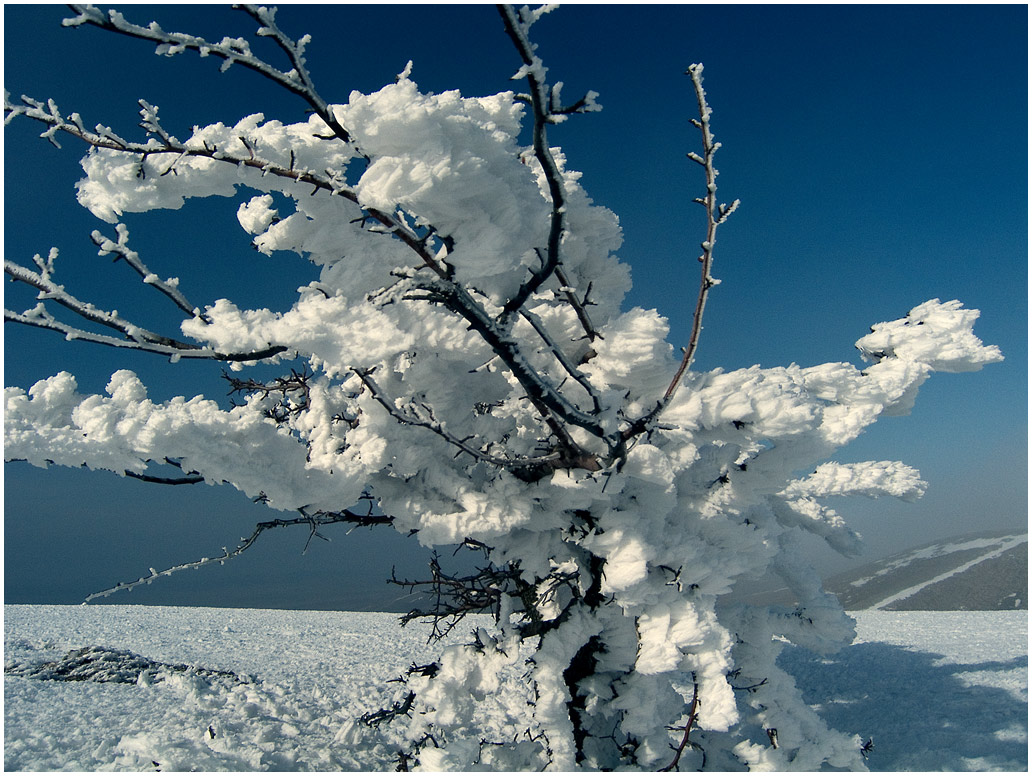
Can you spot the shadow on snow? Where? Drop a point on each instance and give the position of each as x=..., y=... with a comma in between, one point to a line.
x=917, y=708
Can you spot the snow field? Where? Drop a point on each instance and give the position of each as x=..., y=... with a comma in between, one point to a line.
x=935, y=691
x=316, y=673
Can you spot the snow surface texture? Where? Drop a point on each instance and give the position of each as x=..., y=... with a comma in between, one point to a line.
x=935, y=691
x=453, y=377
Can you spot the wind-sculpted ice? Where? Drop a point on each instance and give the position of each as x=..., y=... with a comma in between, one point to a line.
x=467, y=364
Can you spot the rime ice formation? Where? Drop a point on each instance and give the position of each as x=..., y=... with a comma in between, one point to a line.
x=478, y=407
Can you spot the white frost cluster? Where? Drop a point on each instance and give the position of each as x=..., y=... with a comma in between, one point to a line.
x=706, y=499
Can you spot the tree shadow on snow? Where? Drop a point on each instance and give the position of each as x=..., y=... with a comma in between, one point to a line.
x=919, y=713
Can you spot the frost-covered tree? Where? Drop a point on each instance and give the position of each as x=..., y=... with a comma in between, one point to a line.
x=459, y=362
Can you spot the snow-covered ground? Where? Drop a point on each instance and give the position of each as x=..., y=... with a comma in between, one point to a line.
x=935, y=691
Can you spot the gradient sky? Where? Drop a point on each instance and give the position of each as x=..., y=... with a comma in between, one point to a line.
x=879, y=153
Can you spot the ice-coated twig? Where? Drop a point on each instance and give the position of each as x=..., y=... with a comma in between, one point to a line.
x=311, y=520
x=716, y=215
x=135, y=337
x=546, y=109
x=231, y=50
x=120, y=247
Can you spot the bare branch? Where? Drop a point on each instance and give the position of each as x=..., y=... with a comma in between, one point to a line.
x=231, y=50
x=374, y=719
x=312, y=521
x=680, y=749
x=136, y=337
x=716, y=215
x=455, y=597
x=546, y=110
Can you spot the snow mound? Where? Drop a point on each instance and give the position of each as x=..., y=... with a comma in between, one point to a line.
x=108, y=665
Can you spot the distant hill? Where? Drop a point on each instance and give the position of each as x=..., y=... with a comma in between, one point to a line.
x=971, y=572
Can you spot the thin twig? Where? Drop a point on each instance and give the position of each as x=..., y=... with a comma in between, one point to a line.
x=693, y=707
x=231, y=50
x=312, y=520
x=122, y=251
x=545, y=109
x=136, y=337
x=716, y=215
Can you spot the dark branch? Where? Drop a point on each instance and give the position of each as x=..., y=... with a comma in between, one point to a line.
x=314, y=520
x=232, y=51
x=680, y=749
x=716, y=215
x=545, y=109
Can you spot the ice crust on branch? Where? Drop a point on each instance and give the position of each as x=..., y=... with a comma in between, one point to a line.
x=945, y=342
x=468, y=366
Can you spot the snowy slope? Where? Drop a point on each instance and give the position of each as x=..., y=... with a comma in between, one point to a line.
x=281, y=690
x=972, y=572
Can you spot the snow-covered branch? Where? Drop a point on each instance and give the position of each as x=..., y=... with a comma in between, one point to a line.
x=167, y=151
x=134, y=337
x=546, y=110
x=539, y=389
x=422, y=415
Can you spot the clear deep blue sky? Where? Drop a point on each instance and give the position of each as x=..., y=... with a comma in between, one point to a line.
x=879, y=153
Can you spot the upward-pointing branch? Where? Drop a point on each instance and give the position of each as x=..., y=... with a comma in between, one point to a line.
x=545, y=108
x=716, y=216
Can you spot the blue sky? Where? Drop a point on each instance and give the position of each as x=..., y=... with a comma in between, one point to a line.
x=879, y=153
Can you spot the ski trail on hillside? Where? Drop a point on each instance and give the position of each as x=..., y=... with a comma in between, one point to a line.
x=934, y=550
x=1006, y=545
